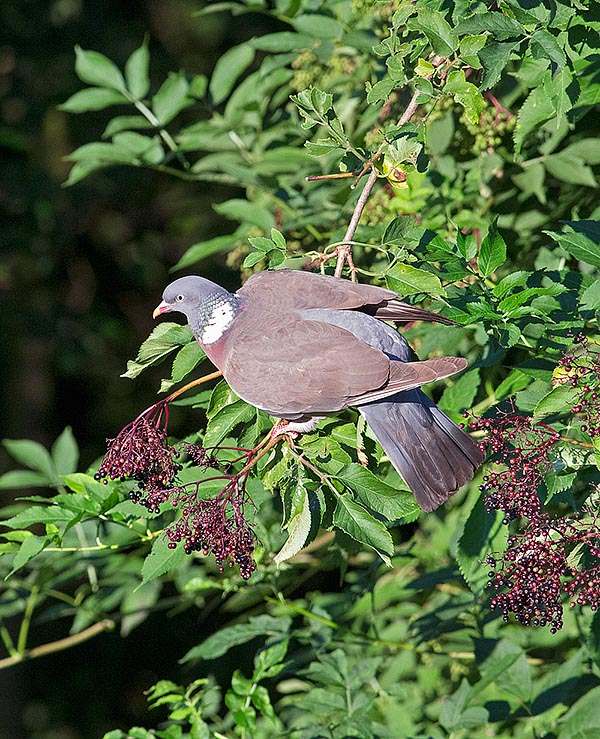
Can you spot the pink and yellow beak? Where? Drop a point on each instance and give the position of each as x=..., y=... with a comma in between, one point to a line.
x=163, y=307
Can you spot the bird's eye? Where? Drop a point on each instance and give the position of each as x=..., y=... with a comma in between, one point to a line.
x=179, y=298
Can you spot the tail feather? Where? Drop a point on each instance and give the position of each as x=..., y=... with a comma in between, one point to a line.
x=433, y=455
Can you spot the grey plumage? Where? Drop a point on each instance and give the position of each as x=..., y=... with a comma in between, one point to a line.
x=299, y=345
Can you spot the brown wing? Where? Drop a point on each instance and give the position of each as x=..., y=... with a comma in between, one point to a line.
x=289, y=288
x=299, y=367
x=409, y=375
x=294, y=289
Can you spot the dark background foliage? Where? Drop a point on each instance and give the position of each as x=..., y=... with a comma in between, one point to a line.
x=80, y=272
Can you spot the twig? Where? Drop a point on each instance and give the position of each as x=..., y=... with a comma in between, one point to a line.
x=193, y=383
x=344, y=251
x=59, y=645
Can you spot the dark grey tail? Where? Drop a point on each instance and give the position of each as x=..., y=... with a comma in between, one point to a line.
x=433, y=455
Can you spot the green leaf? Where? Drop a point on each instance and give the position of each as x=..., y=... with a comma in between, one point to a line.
x=226, y=420
x=171, y=98
x=377, y=495
x=437, y=29
x=483, y=533
x=94, y=98
x=165, y=338
x=461, y=393
x=536, y=109
x=244, y=211
x=39, y=514
x=582, y=720
x=298, y=526
x=232, y=636
x=33, y=455
x=99, y=151
x=470, y=46
x=16, y=479
x=205, y=249
x=97, y=69
x=65, y=452
x=559, y=400
x=319, y=26
x=188, y=357
x=567, y=167
x=358, y=523
x=545, y=45
x=30, y=547
x=136, y=71
x=492, y=253
x=228, y=68
x=455, y=715
x=579, y=246
x=494, y=58
x=123, y=123
x=590, y=298
x=464, y=93
x=282, y=41
x=161, y=559
x=408, y=280
x=498, y=25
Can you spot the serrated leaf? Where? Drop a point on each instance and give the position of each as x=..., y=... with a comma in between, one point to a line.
x=408, y=280
x=437, y=29
x=377, y=495
x=30, y=548
x=164, y=339
x=226, y=420
x=558, y=401
x=358, y=523
x=461, y=393
x=136, y=71
x=494, y=58
x=39, y=514
x=498, y=25
x=161, y=559
x=545, y=45
x=536, y=109
x=464, y=93
x=582, y=720
x=93, y=98
x=97, y=69
x=483, y=533
x=170, y=98
x=232, y=636
x=492, y=253
x=187, y=358
x=579, y=246
x=299, y=525
x=228, y=68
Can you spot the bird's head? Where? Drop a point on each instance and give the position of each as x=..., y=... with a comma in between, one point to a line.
x=208, y=307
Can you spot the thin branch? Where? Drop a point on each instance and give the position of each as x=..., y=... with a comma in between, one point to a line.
x=59, y=645
x=344, y=252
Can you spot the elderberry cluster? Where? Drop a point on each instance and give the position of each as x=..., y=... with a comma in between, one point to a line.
x=524, y=450
x=550, y=558
x=217, y=526
x=580, y=368
x=141, y=452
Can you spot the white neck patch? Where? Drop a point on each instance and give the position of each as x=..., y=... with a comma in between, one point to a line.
x=218, y=322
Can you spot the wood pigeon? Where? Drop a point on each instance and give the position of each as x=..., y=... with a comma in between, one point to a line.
x=301, y=346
